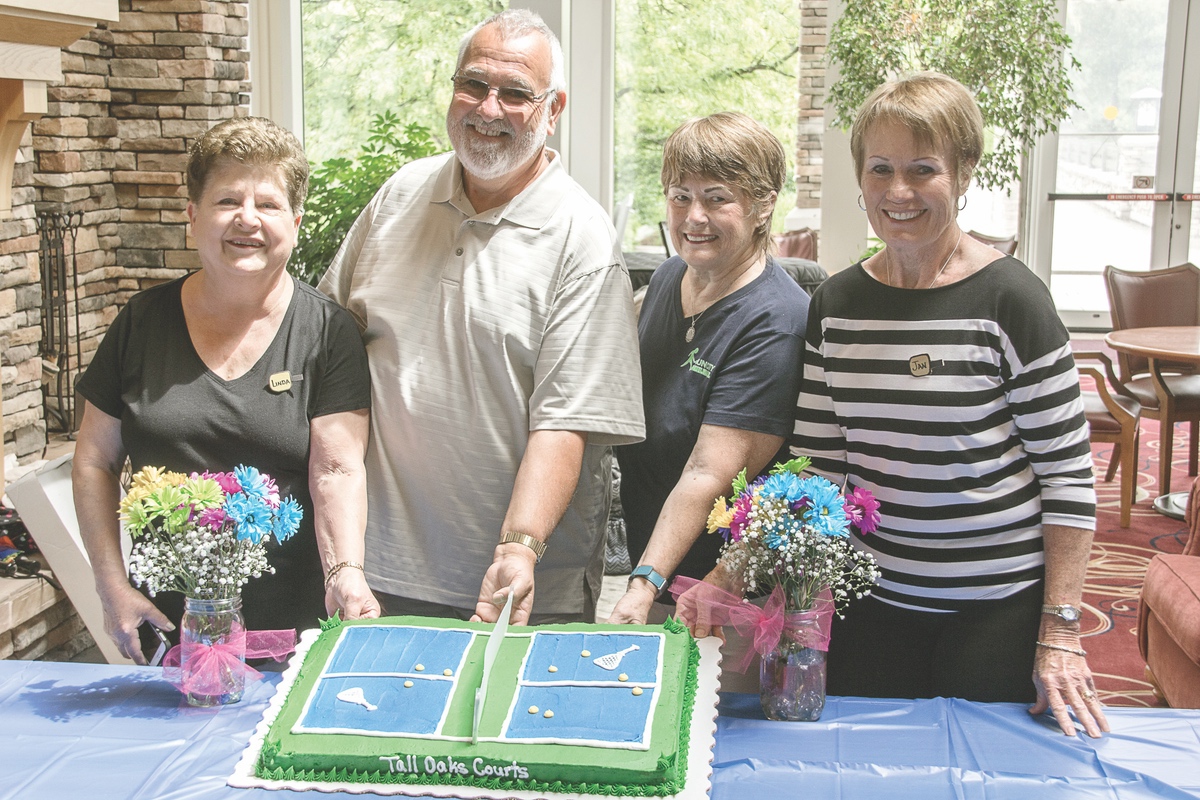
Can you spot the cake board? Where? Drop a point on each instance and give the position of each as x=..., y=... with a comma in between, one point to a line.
x=699, y=757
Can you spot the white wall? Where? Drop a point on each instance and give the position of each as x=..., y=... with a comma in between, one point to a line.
x=276, y=66
x=843, y=224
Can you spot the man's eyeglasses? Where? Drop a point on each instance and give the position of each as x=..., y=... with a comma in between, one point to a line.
x=511, y=98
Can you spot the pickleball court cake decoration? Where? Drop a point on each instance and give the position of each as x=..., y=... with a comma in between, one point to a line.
x=388, y=705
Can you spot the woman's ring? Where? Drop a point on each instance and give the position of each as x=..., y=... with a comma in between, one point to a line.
x=1089, y=695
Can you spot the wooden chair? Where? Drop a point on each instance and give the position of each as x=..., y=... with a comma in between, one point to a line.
x=1113, y=419
x=1161, y=297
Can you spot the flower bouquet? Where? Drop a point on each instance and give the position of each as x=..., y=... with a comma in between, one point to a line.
x=205, y=535
x=787, y=537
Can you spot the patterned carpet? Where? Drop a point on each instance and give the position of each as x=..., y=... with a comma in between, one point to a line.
x=1118, y=564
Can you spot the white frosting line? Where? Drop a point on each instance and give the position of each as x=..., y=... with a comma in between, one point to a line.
x=418, y=675
x=593, y=684
x=454, y=682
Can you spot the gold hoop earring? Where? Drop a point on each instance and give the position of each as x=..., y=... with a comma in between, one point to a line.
x=964, y=202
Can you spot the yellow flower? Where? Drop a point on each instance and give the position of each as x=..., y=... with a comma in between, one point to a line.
x=175, y=478
x=720, y=516
x=149, y=478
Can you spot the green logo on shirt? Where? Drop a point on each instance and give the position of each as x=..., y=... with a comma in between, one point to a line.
x=698, y=365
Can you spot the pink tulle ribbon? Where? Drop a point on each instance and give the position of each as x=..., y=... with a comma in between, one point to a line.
x=216, y=669
x=706, y=605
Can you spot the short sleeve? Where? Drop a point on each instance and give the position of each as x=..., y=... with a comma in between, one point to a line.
x=588, y=376
x=345, y=383
x=101, y=383
x=757, y=387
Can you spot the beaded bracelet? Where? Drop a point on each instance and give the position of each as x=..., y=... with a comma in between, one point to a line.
x=1079, y=651
x=338, y=568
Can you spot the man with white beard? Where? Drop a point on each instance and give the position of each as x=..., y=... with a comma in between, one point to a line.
x=499, y=326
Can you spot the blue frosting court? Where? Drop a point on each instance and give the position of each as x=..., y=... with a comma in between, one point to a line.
x=417, y=710
x=563, y=651
x=565, y=674
x=375, y=649
x=370, y=666
x=581, y=713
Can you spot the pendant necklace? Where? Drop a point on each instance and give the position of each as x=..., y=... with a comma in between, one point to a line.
x=888, y=263
x=691, y=331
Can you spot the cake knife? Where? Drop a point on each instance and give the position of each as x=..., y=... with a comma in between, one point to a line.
x=495, y=639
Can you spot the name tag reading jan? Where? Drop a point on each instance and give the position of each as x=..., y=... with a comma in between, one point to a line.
x=282, y=381
x=920, y=366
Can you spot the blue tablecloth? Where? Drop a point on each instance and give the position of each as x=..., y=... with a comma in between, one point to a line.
x=97, y=732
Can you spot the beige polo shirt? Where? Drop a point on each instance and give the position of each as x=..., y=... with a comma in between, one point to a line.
x=480, y=328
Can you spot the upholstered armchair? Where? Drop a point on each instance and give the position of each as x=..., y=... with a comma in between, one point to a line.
x=1169, y=618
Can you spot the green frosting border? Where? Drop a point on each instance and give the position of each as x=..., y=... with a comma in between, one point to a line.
x=668, y=787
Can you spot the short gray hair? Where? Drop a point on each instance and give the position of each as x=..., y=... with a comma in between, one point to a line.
x=513, y=24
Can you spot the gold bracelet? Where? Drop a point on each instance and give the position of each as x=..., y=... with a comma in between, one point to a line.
x=536, y=545
x=339, y=567
x=1074, y=650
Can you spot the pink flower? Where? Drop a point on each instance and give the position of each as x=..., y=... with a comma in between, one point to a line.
x=862, y=509
x=272, y=491
x=211, y=517
x=228, y=483
x=741, y=516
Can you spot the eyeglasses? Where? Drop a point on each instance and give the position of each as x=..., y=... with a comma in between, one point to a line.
x=511, y=98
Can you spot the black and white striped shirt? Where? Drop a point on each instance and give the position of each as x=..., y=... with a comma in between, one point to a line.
x=959, y=408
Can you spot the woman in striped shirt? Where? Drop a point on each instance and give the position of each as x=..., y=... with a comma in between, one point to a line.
x=938, y=375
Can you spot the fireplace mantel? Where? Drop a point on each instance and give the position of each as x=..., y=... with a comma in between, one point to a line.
x=32, y=35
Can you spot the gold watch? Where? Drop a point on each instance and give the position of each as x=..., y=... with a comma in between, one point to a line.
x=536, y=545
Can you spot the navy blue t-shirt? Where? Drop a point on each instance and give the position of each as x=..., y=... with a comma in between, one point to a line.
x=742, y=370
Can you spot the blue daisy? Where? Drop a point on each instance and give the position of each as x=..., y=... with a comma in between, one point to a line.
x=785, y=486
x=287, y=519
x=252, y=481
x=826, y=513
x=251, y=517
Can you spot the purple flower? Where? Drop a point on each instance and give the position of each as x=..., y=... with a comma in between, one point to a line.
x=211, y=517
x=862, y=509
x=226, y=480
x=741, y=516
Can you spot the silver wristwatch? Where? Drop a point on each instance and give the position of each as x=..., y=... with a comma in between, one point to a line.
x=1064, y=612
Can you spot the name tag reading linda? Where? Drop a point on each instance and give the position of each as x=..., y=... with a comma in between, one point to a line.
x=920, y=366
x=281, y=381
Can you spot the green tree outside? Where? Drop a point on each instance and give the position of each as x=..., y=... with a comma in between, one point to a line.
x=675, y=59
x=689, y=58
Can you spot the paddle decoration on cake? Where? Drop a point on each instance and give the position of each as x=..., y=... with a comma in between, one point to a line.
x=354, y=695
x=786, y=537
x=611, y=661
x=205, y=535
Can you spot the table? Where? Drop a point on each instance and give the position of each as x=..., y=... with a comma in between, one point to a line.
x=104, y=732
x=1177, y=344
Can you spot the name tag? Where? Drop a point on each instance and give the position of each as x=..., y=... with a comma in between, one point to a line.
x=919, y=366
x=281, y=381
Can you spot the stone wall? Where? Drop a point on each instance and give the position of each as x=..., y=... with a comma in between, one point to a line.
x=810, y=124
x=112, y=148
